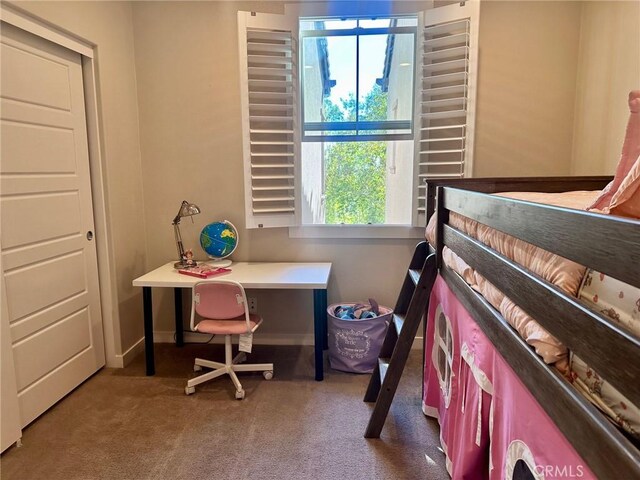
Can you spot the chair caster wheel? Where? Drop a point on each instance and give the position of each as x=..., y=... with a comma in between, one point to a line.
x=239, y=394
x=189, y=390
x=268, y=374
x=197, y=368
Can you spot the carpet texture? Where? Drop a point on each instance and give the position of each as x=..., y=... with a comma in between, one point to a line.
x=123, y=425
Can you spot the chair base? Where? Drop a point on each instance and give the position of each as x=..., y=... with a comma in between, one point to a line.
x=230, y=367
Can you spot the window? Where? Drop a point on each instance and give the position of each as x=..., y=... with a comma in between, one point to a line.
x=357, y=78
x=367, y=182
x=344, y=118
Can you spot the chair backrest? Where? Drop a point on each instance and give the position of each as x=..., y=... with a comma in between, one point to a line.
x=219, y=299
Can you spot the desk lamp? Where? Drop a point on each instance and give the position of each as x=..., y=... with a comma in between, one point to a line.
x=186, y=210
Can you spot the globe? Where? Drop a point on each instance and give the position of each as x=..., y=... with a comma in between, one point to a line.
x=219, y=240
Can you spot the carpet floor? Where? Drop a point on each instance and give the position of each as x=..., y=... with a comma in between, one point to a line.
x=122, y=425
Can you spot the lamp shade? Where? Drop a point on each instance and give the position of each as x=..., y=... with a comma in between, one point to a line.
x=186, y=210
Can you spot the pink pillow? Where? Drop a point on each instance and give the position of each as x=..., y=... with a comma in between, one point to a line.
x=626, y=200
x=622, y=195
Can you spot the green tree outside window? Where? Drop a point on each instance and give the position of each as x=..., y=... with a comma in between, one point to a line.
x=355, y=172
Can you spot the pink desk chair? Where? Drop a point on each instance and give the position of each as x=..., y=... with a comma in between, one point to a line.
x=223, y=306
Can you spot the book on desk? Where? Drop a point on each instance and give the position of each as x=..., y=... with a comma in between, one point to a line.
x=203, y=271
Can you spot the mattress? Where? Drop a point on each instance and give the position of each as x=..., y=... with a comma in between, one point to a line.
x=557, y=270
x=619, y=301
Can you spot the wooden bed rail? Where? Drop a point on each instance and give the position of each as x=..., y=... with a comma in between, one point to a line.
x=589, y=334
x=608, y=244
x=520, y=184
x=608, y=452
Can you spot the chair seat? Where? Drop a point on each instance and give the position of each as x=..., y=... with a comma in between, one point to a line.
x=233, y=326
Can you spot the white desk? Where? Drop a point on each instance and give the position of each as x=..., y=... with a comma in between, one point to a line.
x=256, y=275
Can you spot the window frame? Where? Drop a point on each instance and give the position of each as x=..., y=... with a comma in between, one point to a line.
x=367, y=124
x=356, y=231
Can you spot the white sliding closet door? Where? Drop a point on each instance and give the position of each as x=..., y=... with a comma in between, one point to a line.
x=49, y=267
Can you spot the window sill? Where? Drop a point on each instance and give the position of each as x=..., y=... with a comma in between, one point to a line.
x=356, y=231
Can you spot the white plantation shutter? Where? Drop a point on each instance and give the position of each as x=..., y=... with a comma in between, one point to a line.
x=445, y=105
x=269, y=95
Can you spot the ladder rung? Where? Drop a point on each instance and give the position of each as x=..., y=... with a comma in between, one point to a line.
x=398, y=322
x=415, y=276
x=383, y=365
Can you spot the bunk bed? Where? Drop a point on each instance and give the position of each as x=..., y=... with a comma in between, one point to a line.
x=506, y=409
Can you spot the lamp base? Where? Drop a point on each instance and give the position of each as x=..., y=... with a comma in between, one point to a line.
x=182, y=264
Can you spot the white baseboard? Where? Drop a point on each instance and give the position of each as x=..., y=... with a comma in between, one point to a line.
x=125, y=359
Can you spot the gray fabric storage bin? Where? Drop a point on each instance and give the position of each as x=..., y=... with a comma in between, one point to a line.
x=354, y=344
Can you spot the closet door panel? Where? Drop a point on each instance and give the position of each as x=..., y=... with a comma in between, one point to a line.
x=49, y=261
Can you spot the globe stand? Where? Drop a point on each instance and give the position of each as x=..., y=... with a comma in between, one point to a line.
x=219, y=262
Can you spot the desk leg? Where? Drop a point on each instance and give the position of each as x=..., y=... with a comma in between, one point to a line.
x=177, y=299
x=320, y=329
x=148, y=330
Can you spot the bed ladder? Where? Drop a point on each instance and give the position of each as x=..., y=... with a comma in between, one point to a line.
x=410, y=308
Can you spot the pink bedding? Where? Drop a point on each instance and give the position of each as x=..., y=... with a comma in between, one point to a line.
x=563, y=273
x=622, y=195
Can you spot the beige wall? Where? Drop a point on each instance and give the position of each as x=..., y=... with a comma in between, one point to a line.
x=189, y=100
x=109, y=26
x=526, y=84
x=608, y=69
